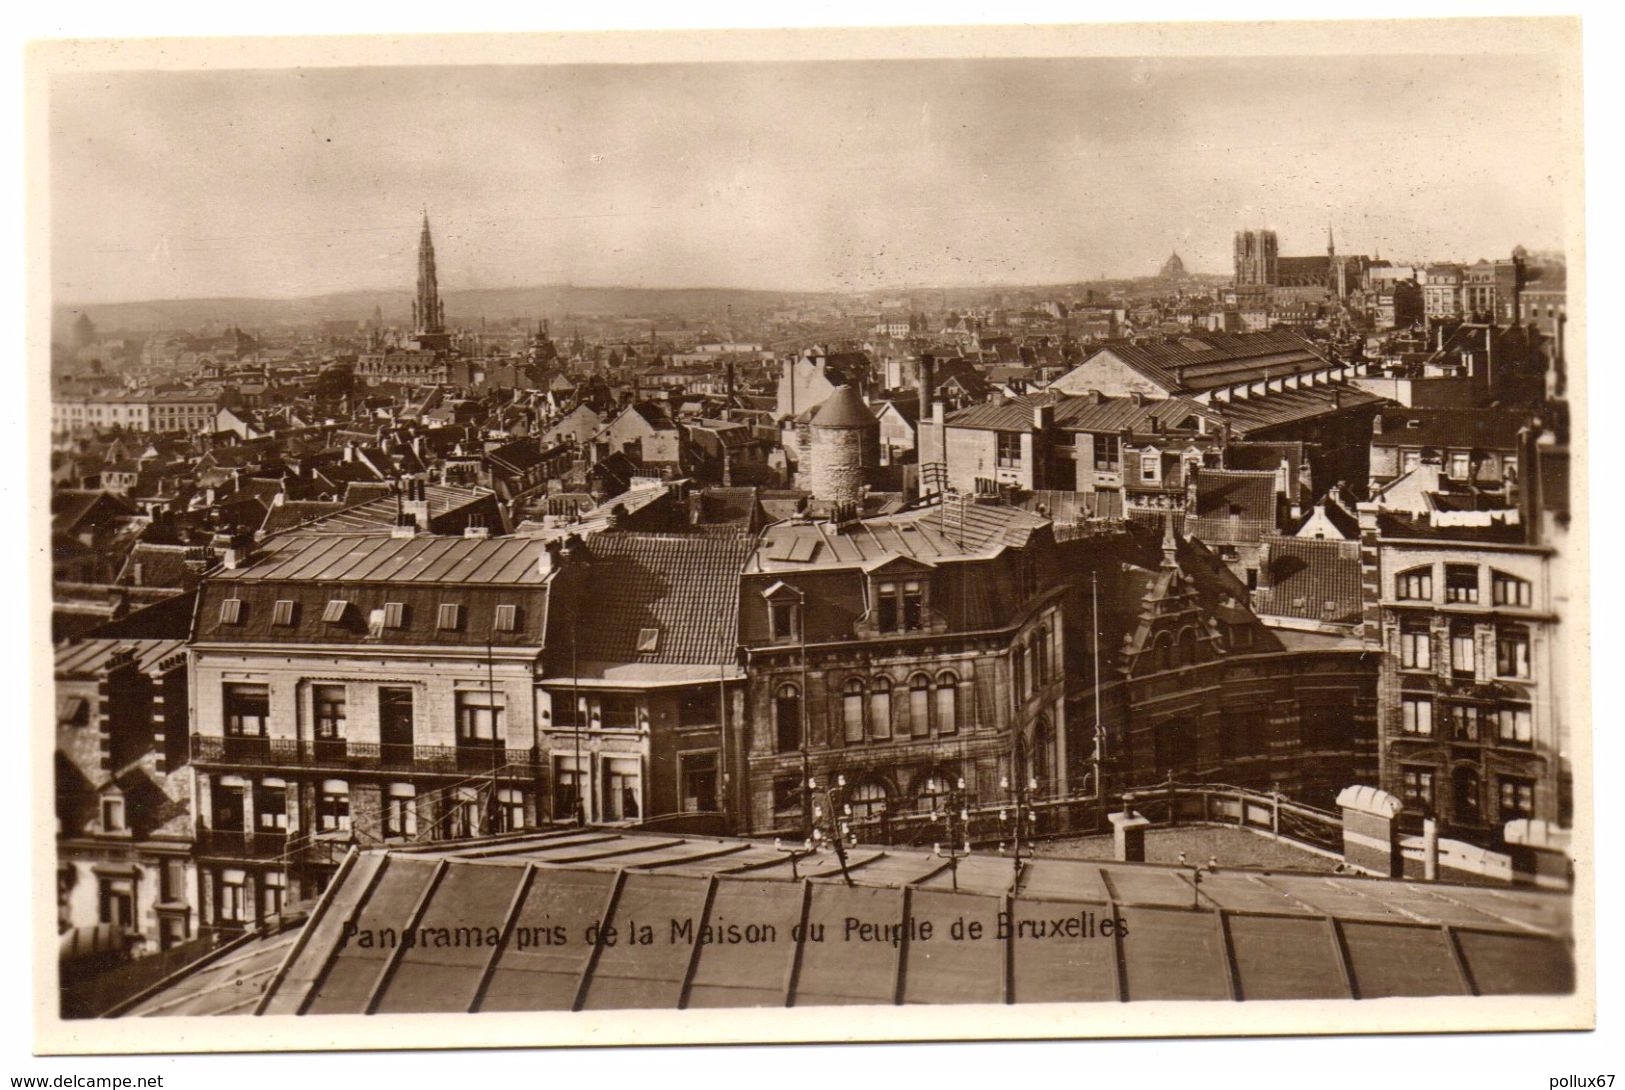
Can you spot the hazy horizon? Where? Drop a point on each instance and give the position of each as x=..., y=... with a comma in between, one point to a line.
x=787, y=177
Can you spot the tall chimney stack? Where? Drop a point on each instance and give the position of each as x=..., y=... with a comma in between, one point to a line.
x=927, y=383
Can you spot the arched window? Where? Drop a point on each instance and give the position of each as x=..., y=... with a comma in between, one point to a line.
x=787, y=718
x=1018, y=664
x=1185, y=654
x=852, y=709
x=919, y=705
x=947, y=703
x=880, y=707
x=868, y=800
x=1162, y=652
x=1041, y=663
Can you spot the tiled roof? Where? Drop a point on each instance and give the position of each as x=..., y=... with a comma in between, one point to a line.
x=656, y=599
x=1310, y=580
x=88, y=658
x=1232, y=506
x=1249, y=935
x=160, y=566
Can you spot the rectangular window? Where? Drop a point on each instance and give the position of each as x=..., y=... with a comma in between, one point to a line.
x=1460, y=465
x=1512, y=653
x=1417, y=715
x=1517, y=798
x=329, y=703
x=1515, y=726
x=697, y=782
x=568, y=803
x=232, y=905
x=248, y=709
x=623, y=789
x=335, y=611
x=270, y=808
x=231, y=611
x=699, y=708
x=1150, y=467
x=1509, y=590
x=1463, y=652
x=787, y=794
x=1416, y=649
x=394, y=614
x=401, y=810
x=395, y=719
x=1108, y=453
x=890, y=610
x=282, y=612
x=273, y=893
x=947, y=707
x=1461, y=583
x=913, y=606
x=479, y=717
x=507, y=618
x=112, y=815
x=619, y=711
x=1459, y=722
x=1416, y=787
x=333, y=806
x=450, y=617
x=782, y=620
x=1008, y=449
x=510, y=810
x=1414, y=585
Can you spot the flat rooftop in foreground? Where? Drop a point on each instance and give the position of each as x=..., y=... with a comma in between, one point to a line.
x=606, y=919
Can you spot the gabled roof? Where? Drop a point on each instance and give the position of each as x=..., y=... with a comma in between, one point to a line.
x=1309, y=579
x=1213, y=360
x=1233, y=506
x=682, y=587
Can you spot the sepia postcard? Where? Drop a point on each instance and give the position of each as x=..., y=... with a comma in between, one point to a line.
x=934, y=533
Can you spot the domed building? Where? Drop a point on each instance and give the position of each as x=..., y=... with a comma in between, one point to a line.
x=1173, y=268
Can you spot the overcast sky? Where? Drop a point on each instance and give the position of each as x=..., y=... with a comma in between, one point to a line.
x=787, y=175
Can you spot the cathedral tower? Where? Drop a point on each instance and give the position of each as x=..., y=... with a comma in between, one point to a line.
x=428, y=312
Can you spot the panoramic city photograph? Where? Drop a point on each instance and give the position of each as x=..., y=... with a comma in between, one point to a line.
x=538, y=536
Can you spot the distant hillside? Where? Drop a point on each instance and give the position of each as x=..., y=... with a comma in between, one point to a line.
x=464, y=308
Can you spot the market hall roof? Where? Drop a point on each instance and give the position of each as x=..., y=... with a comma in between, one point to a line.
x=479, y=913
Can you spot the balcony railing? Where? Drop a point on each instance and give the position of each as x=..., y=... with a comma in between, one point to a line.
x=239, y=844
x=343, y=755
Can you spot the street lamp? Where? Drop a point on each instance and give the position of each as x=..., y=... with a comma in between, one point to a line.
x=957, y=812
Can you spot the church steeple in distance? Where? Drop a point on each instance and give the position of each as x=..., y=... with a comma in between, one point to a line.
x=428, y=312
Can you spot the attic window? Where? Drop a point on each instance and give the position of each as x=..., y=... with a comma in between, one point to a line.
x=394, y=614
x=334, y=613
x=282, y=612
x=1414, y=425
x=450, y=617
x=507, y=618
x=648, y=640
x=231, y=611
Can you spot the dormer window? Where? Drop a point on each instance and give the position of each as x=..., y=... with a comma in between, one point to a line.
x=112, y=813
x=231, y=611
x=784, y=619
x=900, y=606
x=1150, y=466
x=334, y=613
x=282, y=612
